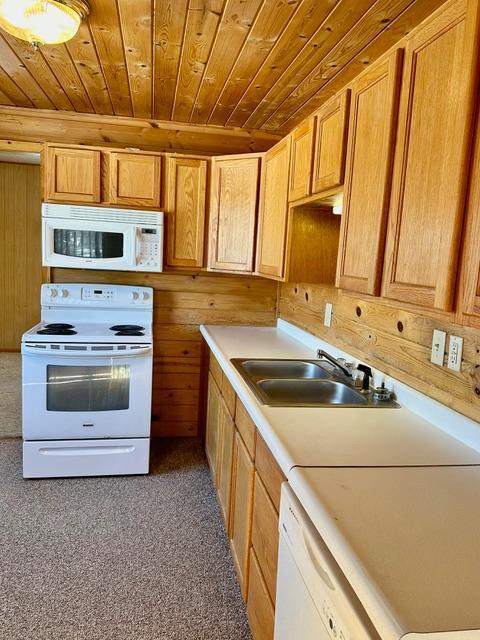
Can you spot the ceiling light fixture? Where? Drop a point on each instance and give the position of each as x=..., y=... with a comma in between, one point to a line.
x=43, y=21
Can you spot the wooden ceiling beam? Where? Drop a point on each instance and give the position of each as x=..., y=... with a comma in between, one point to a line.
x=41, y=125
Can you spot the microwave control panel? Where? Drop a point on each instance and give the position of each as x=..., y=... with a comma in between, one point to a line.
x=149, y=255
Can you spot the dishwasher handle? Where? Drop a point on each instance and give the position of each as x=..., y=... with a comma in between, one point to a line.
x=316, y=561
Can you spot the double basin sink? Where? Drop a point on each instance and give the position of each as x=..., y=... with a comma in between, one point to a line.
x=303, y=383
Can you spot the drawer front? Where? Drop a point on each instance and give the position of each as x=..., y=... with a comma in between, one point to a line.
x=216, y=370
x=260, y=610
x=228, y=394
x=269, y=471
x=265, y=535
x=246, y=428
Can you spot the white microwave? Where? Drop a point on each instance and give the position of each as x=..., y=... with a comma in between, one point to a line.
x=81, y=237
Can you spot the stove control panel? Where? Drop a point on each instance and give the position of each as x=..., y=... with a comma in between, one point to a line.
x=96, y=296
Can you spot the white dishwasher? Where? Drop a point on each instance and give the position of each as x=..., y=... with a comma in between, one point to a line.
x=314, y=600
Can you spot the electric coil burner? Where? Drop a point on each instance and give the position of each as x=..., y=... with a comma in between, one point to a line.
x=87, y=382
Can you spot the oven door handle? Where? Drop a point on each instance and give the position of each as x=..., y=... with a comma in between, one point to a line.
x=73, y=353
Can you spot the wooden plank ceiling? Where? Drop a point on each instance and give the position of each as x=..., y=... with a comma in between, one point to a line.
x=255, y=64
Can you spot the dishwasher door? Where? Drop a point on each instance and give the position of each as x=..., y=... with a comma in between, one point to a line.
x=314, y=600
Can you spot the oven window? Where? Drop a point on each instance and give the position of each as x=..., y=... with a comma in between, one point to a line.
x=87, y=244
x=88, y=388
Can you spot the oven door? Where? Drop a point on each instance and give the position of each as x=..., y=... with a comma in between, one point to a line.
x=89, y=244
x=86, y=396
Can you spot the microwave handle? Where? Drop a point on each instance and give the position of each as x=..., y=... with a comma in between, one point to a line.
x=138, y=245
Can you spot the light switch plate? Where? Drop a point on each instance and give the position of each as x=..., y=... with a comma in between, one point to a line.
x=438, y=347
x=327, y=319
x=455, y=349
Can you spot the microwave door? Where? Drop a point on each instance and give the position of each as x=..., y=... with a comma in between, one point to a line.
x=91, y=245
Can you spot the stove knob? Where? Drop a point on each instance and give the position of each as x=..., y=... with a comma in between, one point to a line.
x=64, y=293
x=145, y=295
x=53, y=293
x=134, y=295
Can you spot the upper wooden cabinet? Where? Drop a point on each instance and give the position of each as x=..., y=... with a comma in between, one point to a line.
x=233, y=213
x=273, y=211
x=72, y=175
x=135, y=179
x=301, y=160
x=331, y=126
x=430, y=170
x=185, y=205
x=368, y=174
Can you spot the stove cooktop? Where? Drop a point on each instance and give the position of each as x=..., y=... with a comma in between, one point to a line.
x=89, y=332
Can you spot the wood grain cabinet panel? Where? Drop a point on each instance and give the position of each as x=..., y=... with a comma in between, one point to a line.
x=185, y=205
x=233, y=213
x=246, y=427
x=135, y=179
x=225, y=462
x=269, y=471
x=241, y=510
x=72, y=175
x=260, y=610
x=301, y=160
x=331, y=128
x=371, y=140
x=429, y=180
x=212, y=426
x=265, y=535
x=272, y=227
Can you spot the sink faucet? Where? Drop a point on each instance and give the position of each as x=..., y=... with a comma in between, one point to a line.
x=343, y=368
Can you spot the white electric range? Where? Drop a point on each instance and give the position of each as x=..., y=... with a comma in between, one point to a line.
x=87, y=382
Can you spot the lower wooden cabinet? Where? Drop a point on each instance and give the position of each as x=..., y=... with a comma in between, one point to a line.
x=260, y=610
x=213, y=425
x=241, y=510
x=225, y=462
x=265, y=535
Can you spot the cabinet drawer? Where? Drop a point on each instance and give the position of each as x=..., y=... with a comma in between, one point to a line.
x=228, y=394
x=260, y=610
x=269, y=471
x=246, y=428
x=265, y=535
x=216, y=370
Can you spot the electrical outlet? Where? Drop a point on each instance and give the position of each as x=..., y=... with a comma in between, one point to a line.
x=327, y=319
x=438, y=347
x=455, y=349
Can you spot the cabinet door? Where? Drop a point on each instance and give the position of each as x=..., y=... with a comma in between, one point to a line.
x=265, y=535
x=72, y=175
x=212, y=427
x=135, y=180
x=331, y=126
x=260, y=610
x=186, y=208
x=430, y=168
x=241, y=510
x=273, y=211
x=368, y=177
x=225, y=461
x=233, y=214
x=301, y=161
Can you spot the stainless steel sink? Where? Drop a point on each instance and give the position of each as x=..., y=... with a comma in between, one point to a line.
x=303, y=383
x=284, y=369
x=288, y=393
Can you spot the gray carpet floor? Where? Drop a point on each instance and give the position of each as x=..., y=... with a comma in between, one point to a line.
x=126, y=558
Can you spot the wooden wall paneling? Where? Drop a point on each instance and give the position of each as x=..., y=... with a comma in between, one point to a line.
x=185, y=207
x=371, y=139
x=84, y=55
x=395, y=30
x=72, y=175
x=301, y=161
x=233, y=213
x=11, y=94
x=296, y=35
x=21, y=272
x=183, y=301
x=136, y=26
x=105, y=27
x=169, y=25
x=271, y=236
x=200, y=31
x=429, y=181
x=396, y=340
x=267, y=28
x=331, y=135
x=135, y=179
x=232, y=32
x=41, y=125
